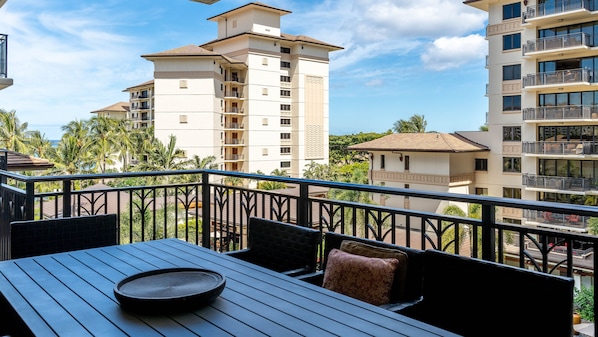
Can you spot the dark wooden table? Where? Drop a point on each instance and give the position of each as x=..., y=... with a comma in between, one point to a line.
x=71, y=294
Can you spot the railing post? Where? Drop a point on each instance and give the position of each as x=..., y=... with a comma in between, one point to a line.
x=303, y=205
x=66, y=199
x=29, y=211
x=488, y=234
x=205, y=209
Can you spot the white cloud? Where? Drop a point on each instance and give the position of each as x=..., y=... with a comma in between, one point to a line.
x=452, y=52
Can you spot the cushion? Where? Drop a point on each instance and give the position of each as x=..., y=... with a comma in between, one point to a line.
x=364, y=278
x=363, y=249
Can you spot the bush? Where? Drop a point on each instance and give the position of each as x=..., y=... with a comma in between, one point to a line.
x=584, y=303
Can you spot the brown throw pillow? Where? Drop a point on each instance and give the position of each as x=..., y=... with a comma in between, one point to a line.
x=363, y=249
x=364, y=278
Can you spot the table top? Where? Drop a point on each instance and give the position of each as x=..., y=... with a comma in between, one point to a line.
x=71, y=294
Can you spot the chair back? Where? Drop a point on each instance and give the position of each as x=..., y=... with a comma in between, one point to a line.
x=38, y=237
x=462, y=294
x=282, y=246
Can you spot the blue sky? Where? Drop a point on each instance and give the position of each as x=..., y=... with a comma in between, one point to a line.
x=400, y=57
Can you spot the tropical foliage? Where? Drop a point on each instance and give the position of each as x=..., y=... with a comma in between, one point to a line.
x=415, y=124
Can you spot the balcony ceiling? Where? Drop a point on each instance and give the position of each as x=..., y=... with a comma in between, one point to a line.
x=5, y=82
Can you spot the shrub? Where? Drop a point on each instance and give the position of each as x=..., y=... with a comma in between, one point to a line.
x=584, y=303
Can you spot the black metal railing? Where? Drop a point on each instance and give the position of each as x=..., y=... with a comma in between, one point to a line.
x=211, y=208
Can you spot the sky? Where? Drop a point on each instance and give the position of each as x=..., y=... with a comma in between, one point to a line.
x=400, y=57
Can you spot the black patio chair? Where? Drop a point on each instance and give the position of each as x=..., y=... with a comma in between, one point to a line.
x=282, y=247
x=39, y=237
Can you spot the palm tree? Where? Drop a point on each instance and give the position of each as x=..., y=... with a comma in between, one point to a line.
x=273, y=185
x=125, y=145
x=415, y=124
x=198, y=163
x=164, y=157
x=69, y=158
x=39, y=145
x=103, y=147
x=13, y=134
x=78, y=129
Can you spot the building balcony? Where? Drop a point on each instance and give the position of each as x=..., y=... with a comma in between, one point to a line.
x=568, y=113
x=234, y=157
x=570, y=78
x=5, y=82
x=559, y=221
x=222, y=208
x=233, y=95
x=234, y=111
x=234, y=141
x=558, y=184
x=559, y=45
x=234, y=79
x=560, y=149
x=233, y=126
x=557, y=11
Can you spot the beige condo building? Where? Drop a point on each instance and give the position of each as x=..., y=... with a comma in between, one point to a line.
x=5, y=81
x=254, y=97
x=543, y=98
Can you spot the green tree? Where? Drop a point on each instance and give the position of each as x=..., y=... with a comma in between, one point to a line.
x=39, y=145
x=341, y=155
x=415, y=124
x=13, y=133
x=273, y=185
x=103, y=141
x=70, y=158
x=317, y=171
x=198, y=163
x=164, y=157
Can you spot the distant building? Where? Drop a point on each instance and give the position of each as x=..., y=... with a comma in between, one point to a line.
x=255, y=98
x=5, y=81
x=438, y=162
x=118, y=110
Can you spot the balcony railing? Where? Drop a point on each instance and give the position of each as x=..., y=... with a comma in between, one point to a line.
x=233, y=126
x=558, y=183
x=212, y=209
x=233, y=111
x=558, y=42
x=569, y=76
x=568, y=112
x=3, y=55
x=556, y=7
x=234, y=157
x=233, y=94
x=234, y=141
x=560, y=148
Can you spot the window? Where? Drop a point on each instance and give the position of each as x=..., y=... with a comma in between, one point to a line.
x=265, y=91
x=511, y=11
x=511, y=133
x=285, y=135
x=481, y=164
x=285, y=107
x=512, y=72
x=285, y=78
x=511, y=164
x=183, y=119
x=406, y=163
x=509, y=192
x=511, y=41
x=285, y=121
x=285, y=50
x=285, y=64
x=512, y=221
x=382, y=161
x=285, y=150
x=481, y=191
x=182, y=84
x=285, y=164
x=511, y=103
x=285, y=93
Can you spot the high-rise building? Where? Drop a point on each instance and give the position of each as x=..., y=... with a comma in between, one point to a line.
x=255, y=98
x=5, y=81
x=543, y=99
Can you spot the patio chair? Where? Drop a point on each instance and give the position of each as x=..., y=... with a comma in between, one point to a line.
x=39, y=237
x=282, y=247
x=474, y=297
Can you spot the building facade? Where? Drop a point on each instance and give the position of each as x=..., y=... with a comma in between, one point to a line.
x=255, y=98
x=5, y=81
x=543, y=97
x=438, y=162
